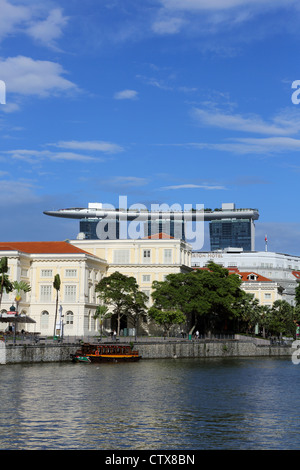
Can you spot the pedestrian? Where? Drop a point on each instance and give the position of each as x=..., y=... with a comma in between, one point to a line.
x=115, y=335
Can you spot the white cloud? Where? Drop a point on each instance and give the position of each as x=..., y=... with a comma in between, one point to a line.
x=10, y=107
x=16, y=192
x=33, y=156
x=126, y=95
x=167, y=25
x=129, y=181
x=283, y=124
x=263, y=146
x=11, y=17
x=26, y=76
x=49, y=29
x=209, y=17
x=221, y=5
x=29, y=20
x=193, y=186
x=94, y=145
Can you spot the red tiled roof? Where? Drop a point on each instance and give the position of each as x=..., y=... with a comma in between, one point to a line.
x=40, y=247
x=160, y=235
x=244, y=275
x=259, y=278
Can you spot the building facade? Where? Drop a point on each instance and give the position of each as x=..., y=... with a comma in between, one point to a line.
x=81, y=264
x=281, y=268
x=37, y=264
x=261, y=288
x=147, y=260
x=230, y=233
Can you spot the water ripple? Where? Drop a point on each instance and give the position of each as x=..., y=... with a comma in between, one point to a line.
x=162, y=404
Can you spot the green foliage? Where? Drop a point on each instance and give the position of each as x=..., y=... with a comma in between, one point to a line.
x=122, y=294
x=102, y=312
x=248, y=313
x=20, y=286
x=5, y=283
x=56, y=282
x=56, y=285
x=281, y=319
x=204, y=296
x=167, y=318
x=297, y=295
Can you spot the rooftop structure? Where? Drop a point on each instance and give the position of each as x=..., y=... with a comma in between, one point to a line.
x=229, y=226
x=97, y=211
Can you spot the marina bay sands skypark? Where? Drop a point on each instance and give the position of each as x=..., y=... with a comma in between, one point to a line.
x=228, y=226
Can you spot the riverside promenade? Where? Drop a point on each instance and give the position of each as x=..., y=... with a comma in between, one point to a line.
x=49, y=350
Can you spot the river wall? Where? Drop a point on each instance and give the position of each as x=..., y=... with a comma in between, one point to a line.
x=27, y=353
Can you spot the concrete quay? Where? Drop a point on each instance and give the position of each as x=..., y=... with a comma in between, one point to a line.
x=60, y=352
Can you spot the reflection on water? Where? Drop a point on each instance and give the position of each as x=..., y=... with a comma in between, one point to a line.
x=161, y=404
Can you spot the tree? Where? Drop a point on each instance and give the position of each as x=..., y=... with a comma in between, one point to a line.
x=5, y=282
x=264, y=316
x=297, y=295
x=118, y=291
x=167, y=318
x=56, y=285
x=248, y=312
x=101, y=313
x=282, y=319
x=137, y=308
x=205, y=296
x=19, y=286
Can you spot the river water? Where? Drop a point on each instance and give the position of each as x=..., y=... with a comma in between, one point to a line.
x=178, y=404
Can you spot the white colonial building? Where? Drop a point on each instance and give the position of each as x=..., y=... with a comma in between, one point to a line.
x=81, y=264
x=37, y=263
x=278, y=267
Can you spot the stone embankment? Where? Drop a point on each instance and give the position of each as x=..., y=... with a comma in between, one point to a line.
x=28, y=353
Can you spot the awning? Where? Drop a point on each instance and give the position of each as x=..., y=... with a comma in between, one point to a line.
x=14, y=318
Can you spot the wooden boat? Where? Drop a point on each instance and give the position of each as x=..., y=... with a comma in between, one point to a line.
x=105, y=353
x=81, y=359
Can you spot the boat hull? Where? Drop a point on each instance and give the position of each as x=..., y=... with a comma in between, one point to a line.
x=98, y=359
x=105, y=353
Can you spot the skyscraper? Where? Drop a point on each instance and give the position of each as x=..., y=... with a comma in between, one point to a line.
x=235, y=233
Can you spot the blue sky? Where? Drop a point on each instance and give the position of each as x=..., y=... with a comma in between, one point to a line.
x=164, y=101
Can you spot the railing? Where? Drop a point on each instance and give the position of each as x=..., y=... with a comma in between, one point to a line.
x=147, y=339
x=36, y=339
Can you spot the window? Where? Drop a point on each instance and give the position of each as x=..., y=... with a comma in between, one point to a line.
x=46, y=273
x=44, y=319
x=71, y=272
x=70, y=293
x=146, y=256
x=121, y=257
x=69, y=318
x=146, y=278
x=167, y=256
x=46, y=293
x=267, y=296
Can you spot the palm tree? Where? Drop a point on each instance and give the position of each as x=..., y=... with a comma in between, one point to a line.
x=5, y=282
x=101, y=313
x=20, y=286
x=56, y=285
